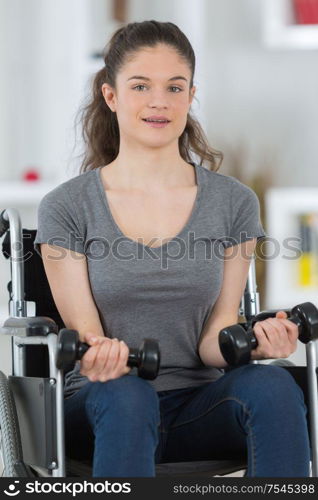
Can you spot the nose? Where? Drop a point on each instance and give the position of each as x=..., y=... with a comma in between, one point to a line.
x=158, y=99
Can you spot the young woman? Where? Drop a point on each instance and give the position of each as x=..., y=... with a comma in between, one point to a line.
x=147, y=242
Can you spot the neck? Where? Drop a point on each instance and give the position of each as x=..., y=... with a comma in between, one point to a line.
x=149, y=169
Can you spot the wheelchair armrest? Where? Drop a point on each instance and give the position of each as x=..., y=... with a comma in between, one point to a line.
x=29, y=326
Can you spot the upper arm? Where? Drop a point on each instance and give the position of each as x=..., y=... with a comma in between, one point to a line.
x=67, y=274
x=245, y=228
x=237, y=260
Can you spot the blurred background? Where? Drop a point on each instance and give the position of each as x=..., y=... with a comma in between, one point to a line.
x=257, y=81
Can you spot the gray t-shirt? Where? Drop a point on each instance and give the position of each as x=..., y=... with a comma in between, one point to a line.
x=165, y=293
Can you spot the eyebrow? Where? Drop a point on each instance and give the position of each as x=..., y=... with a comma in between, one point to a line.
x=139, y=77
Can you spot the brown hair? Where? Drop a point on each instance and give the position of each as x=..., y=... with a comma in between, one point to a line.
x=100, y=129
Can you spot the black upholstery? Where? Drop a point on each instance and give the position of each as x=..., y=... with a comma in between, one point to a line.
x=36, y=285
x=36, y=289
x=208, y=468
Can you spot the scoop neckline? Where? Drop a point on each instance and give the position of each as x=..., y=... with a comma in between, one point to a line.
x=195, y=208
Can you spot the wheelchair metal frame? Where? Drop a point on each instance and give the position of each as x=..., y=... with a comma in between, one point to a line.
x=16, y=326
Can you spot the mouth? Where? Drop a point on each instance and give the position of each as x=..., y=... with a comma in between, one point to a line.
x=156, y=123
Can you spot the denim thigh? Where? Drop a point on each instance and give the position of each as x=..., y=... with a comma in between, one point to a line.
x=254, y=411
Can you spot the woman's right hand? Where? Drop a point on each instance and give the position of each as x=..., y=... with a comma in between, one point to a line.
x=106, y=358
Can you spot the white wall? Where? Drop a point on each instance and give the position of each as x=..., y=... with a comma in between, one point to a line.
x=264, y=99
x=45, y=51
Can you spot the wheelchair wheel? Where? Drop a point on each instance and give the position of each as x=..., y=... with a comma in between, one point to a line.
x=10, y=441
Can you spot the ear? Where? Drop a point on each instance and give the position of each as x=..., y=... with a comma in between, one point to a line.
x=192, y=92
x=109, y=96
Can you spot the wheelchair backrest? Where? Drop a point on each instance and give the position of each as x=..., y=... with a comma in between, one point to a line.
x=36, y=289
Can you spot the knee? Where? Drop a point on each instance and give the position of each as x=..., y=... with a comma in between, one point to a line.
x=127, y=395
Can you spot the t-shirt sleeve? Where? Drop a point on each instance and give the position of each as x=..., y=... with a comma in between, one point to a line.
x=57, y=222
x=245, y=216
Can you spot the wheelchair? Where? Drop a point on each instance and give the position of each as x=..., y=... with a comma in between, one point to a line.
x=31, y=398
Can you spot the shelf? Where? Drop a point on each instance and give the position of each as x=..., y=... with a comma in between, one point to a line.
x=280, y=31
x=294, y=37
x=23, y=193
x=283, y=208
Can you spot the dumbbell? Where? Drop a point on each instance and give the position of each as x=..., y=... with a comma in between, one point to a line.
x=146, y=358
x=236, y=342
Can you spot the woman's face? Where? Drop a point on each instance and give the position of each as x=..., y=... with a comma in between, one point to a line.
x=155, y=83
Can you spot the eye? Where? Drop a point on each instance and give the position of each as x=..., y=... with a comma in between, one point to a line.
x=138, y=86
x=175, y=90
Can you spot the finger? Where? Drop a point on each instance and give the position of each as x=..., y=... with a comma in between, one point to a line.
x=276, y=328
x=278, y=335
x=112, y=358
x=292, y=329
x=88, y=361
x=271, y=330
x=264, y=346
x=281, y=342
x=287, y=331
x=91, y=338
x=281, y=314
x=101, y=361
x=123, y=357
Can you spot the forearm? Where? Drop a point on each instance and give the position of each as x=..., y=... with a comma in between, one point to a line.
x=210, y=353
x=84, y=327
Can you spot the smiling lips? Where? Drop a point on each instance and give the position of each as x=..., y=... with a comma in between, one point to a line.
x=157, y=121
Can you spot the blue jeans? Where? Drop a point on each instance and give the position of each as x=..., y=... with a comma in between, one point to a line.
x=125, y=427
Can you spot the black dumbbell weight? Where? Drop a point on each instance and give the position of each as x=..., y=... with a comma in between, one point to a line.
x=236, y=343
x=146, y=358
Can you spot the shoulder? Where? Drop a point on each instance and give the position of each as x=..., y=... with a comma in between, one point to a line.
x=70, y=190
x=225, y=183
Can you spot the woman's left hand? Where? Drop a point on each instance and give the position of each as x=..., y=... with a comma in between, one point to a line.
x=277, y=337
